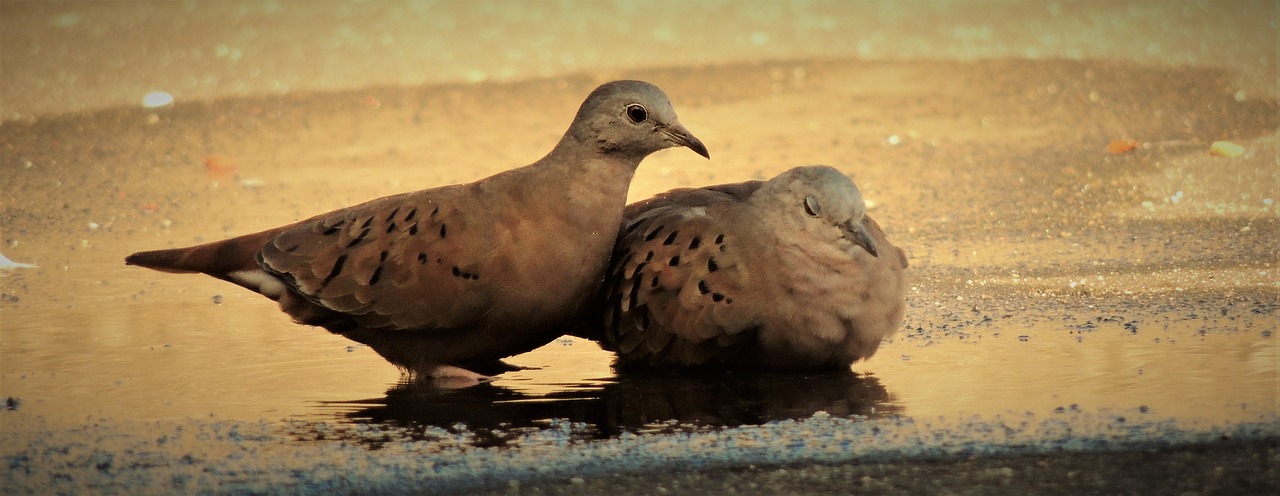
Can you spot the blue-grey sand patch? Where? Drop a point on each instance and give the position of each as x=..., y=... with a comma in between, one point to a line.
x=302, y=456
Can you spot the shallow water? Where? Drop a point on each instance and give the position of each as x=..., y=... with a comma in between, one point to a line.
x=155, y=356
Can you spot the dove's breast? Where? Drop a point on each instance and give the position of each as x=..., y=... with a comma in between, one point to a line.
x=832, y=306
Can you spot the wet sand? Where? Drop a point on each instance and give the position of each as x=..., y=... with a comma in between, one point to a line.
x=1079, y=320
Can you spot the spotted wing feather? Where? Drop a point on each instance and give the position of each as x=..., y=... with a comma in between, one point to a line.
x=673, y=285
x=393, y=263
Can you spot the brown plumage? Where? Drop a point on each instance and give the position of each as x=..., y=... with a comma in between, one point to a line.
x=785, y=274
x=450, y=280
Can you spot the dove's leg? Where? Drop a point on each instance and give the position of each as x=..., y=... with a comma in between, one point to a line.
x=451, y=377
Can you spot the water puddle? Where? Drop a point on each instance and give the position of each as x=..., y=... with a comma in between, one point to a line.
x=175, y=354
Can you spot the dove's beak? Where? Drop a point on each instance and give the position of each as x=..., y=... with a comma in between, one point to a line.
x=680, y=136
x=857, y=234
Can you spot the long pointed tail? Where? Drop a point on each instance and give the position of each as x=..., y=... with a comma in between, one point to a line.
x=175, y=260
x=217, y=259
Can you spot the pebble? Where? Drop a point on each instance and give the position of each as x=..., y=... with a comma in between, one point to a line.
x=1226, y=149
x=157, y=99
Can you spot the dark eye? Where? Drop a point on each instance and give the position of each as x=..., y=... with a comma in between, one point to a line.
x=811, y=206
x=636, y=113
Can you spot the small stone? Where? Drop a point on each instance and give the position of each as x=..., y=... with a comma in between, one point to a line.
x=1226, y=149
x=251, y=183
x=156, y=99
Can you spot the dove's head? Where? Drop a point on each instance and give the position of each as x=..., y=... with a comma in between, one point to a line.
x=631, y=119
x=819, y=198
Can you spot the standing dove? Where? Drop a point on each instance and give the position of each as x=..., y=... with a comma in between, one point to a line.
x=446, y=281
x=785, y=274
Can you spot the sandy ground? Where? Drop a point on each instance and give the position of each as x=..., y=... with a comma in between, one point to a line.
x=1036, y=254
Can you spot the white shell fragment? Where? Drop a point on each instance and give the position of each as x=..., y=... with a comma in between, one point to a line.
x=5, y=263
x=157, y=99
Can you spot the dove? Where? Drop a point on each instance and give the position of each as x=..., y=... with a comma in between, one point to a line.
x=446, y=282
x=788, y=274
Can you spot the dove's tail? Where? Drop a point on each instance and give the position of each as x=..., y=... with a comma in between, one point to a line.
x=176, y=260
x=217, y=259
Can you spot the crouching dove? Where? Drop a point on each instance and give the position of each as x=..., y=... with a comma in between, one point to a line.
x=785, y=274
x=446, y=281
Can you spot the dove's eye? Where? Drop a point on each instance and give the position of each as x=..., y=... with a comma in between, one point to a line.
x=811, y=206
x=637, y=113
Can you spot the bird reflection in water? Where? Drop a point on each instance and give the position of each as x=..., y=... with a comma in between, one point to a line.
x=493, y=415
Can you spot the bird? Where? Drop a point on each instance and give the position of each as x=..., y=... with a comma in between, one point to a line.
x=788, y=274
x=446, y=282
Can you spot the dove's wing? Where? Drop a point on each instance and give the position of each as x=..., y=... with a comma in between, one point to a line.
x=403, y=262
x=674, y=290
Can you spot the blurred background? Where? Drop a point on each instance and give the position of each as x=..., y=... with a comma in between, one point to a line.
x=60, y=56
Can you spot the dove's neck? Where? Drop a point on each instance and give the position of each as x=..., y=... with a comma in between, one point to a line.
x=592, y=163
x=587, y=183
x=586, y=150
